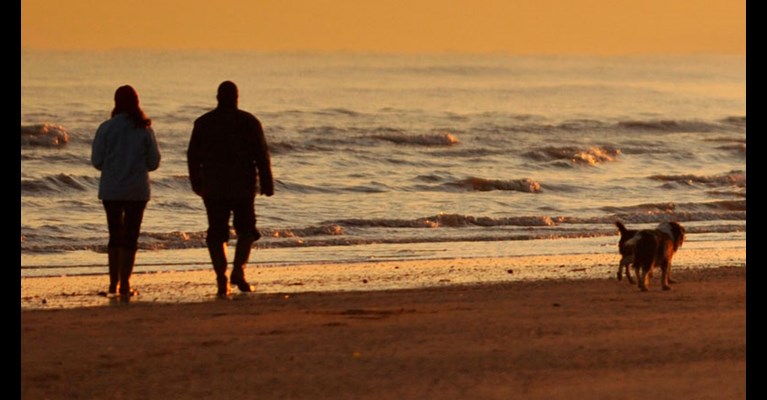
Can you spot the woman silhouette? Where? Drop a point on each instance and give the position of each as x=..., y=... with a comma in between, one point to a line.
x=124, y=150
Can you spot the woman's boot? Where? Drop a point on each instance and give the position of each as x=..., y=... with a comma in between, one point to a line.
x=127, y=259
x=218, y=258
x=241, y=255
x=114, y=269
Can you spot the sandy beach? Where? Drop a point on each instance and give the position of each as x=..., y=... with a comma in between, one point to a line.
x=554, y=338
x=440, y=190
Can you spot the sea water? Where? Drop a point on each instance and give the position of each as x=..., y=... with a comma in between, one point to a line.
x=396, y=156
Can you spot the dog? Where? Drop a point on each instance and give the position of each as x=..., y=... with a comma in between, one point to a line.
x=643, y=249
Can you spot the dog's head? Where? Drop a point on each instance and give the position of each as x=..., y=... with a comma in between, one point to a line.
x=675, y=231
x=626, y=234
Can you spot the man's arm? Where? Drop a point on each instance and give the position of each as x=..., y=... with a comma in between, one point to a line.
x=194, y=161
x=153, y=151
x=263, y=162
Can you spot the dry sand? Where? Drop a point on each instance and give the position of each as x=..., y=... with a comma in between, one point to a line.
x=531, y=339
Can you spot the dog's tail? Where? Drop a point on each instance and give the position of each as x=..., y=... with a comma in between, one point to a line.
x=621, y=227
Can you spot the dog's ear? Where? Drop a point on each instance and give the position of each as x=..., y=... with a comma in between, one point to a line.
x=621, y=228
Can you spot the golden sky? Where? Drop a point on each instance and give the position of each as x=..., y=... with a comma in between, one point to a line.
x=405, y=26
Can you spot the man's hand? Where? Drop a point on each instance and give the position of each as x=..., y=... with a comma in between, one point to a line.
x=197, y=189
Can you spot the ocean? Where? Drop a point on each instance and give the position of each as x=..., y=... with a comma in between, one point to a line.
x=397, y=157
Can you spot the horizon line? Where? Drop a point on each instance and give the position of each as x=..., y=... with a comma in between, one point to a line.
x=376, y=52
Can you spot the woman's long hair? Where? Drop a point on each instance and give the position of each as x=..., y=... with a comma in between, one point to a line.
x=126, y=101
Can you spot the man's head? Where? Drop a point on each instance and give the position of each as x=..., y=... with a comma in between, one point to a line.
x=227, y=94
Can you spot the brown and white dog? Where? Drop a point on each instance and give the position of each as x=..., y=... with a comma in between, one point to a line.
x=644, y=249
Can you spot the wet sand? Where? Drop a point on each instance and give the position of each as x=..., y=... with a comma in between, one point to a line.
x=192, y=286
x=556, y=338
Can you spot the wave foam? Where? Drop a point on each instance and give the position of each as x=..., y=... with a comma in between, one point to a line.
x=737, y=148
x=739, y=121
x=732, y=178
x=610, y=127
x=462, y=228
x=323, y=230
x=58, y=184
x=448, y=221
x=442, y=139
x=725, y=207
x=669, y=125
x=575, y=155
x=485, y=185
x=44, y=135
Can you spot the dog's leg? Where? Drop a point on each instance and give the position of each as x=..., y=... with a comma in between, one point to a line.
x=624, y=267
x=641, y=278
x=638, y=274
x=666, y=275
x=628, y=273
x=620, y=271
x=621, y=267
x=644, y=283
x=670, y=281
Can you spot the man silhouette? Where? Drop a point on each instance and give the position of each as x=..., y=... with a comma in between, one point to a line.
x=229, y=162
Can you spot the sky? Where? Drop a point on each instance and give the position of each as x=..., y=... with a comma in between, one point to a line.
x=596, y=27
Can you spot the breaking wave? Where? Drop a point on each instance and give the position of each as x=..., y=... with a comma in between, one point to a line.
x=322, y=230
x=330, y=137
x=180, y=182
x=737, y=148
x=732, y=178
x=485, y=185
x=441, y=139
x=434, y=228
x=644, y=213
x=575, y=155
x=57, y=184
x=591, y=125
x=670, y=125
x=43, y=135
x=447, y=221
x=739, y=121
x=670, y=207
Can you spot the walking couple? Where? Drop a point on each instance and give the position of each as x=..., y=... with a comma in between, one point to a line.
x=228, y=161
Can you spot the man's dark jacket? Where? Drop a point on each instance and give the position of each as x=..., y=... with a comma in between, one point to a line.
x=228, y=156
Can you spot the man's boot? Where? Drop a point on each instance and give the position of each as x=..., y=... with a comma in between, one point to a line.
x=241, y=255
x=217, y=253
x=114, y=269
x=126, y=258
